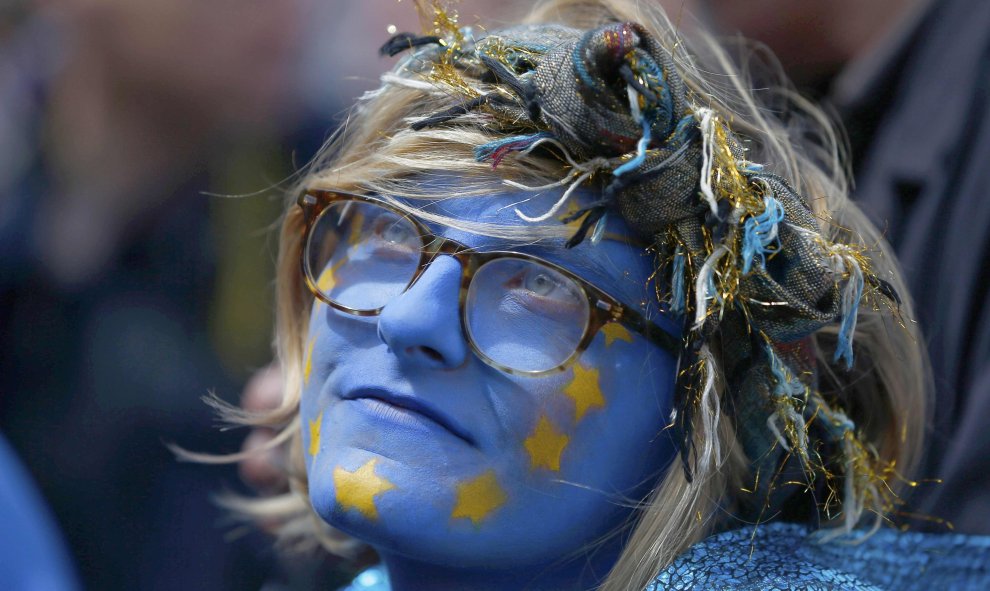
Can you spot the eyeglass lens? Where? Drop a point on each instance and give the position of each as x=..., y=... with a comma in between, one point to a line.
x=362, y=255
x=519, y=313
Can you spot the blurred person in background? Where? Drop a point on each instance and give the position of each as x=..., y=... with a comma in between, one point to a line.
x=910, y=80
x=125, y=292
x=361, y=28
x=118, y=306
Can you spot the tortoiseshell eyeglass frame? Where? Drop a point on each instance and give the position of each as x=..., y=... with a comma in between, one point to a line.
x=603, y=308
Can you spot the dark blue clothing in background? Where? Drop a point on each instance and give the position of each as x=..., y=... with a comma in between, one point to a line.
x=96, y=376
x=32, y=555
x=920, y=135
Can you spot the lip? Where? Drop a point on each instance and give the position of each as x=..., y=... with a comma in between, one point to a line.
x=414, y=405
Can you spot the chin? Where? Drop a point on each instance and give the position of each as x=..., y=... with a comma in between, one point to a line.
x=537, y=524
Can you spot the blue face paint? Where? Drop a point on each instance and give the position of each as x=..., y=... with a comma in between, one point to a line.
x=427, y=453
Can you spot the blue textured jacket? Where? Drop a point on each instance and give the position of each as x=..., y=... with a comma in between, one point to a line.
x=782, y=556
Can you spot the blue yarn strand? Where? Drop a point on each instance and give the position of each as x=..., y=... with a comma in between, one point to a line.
x=784, y=386
x=760, y=234
x=684, y=127
x=664, y=107
x=599, y=231
x=678, y=295
x=843, y=349
x=640, y=152
x=486, y=151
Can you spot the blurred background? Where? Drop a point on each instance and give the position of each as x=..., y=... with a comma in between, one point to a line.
x=145, y=150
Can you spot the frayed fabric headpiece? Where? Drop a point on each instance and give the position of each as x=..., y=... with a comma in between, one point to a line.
x=744, y=260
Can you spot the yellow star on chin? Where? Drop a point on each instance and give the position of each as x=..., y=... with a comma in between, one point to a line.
x=584, y=391
x=358, y=489
x=545, y=446
x=478, y=498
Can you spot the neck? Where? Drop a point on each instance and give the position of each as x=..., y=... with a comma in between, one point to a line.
x=585, y=571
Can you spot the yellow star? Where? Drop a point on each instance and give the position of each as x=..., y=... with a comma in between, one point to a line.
x=358, y=489
x=328, y=279
x=584, y=390
x=314, y=435
x=477, y=498
x=357, y=225
x=308, y=367
x=545, y=446
x=572, y=208
x=614, y=331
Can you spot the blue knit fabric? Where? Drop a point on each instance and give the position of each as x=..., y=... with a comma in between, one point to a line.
x=782, y=556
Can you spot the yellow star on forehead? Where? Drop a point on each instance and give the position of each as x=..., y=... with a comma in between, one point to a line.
x=584, y=391
x=545, y=446
x=572, y=208
x=308, y=366
x=314, y=435
x=358, y=489
x=478, y=498
x=614, y=331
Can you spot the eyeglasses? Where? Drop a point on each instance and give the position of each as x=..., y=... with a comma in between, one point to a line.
x=521, y=314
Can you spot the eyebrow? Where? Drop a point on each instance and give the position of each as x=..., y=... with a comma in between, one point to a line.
x=589, y=269
x=594, y=271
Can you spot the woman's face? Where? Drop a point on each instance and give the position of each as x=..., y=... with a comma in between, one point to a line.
x=417, y=447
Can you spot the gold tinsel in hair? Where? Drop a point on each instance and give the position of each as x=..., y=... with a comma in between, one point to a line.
x=440, y=20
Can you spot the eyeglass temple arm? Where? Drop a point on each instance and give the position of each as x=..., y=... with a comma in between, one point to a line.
x=658, y=336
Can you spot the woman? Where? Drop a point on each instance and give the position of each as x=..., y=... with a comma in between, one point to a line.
x=563, y=300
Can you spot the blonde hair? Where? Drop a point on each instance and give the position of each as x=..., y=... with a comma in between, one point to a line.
x=378, y=152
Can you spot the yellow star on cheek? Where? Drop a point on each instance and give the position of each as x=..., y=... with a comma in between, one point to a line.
x=314, y=435
x=545, y=446
x=358, y=489
x=328, y=279
x=357, y=224
x=308, y=366
x=614, y=331
x=478, y=498
x=584, y=391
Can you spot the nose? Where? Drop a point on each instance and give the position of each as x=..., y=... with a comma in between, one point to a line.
x=422, y=326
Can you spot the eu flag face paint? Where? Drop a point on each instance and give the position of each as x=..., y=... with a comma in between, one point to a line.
x=416, y=446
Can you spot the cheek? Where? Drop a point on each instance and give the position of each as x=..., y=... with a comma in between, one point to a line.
x=622, y=394
x=593, y=440
x=332, y=340
x=601, y=422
